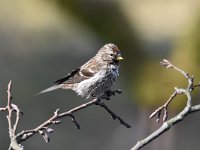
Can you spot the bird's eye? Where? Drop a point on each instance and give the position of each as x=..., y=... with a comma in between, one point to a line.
x=111, y=55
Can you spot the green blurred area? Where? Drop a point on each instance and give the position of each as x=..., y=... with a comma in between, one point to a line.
x=42, y=40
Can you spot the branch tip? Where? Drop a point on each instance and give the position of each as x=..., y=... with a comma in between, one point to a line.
x=169, y=123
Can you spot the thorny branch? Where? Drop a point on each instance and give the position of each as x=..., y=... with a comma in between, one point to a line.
x=186, y=111
x=44, y=129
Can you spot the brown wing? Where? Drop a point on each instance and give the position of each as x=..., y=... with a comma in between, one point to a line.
x=93, y=66
x=60, y=81
x=86, y=71
x=75, y=76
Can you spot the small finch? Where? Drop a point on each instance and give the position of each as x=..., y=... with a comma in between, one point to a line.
x=95, y=77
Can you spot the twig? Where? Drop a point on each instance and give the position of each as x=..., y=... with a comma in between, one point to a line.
x=24, y=135
x=164, y=108
x=113, y=115
x=44, y=129
x=186, y=111
x=10, y=108
x=166, y=126
x=186, y=91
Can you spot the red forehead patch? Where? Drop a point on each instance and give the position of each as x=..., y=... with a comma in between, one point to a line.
x=114, y=47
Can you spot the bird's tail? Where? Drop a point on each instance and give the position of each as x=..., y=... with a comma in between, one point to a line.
x=54, y=87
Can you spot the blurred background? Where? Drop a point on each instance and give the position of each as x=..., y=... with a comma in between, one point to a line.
x=42, y=40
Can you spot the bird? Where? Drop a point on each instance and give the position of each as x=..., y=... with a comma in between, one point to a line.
x=95, y=77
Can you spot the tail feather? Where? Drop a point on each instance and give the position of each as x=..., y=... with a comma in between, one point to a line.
x=52, y=88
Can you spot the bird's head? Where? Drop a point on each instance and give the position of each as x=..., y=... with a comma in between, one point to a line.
x=110, y=53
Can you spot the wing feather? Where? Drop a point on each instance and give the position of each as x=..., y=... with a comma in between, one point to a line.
x=75, y=76
x=86, y=71
x=68, y=76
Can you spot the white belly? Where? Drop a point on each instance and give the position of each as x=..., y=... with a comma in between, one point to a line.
x=98, y=84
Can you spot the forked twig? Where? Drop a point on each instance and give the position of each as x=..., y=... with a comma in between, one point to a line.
x=190, y=88
x=12, y=127
x=186, y=111
x=164, y=108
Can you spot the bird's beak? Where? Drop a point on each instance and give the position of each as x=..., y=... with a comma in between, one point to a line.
x=119, y=58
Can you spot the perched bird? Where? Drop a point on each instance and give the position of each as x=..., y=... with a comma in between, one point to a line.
x=95, y=77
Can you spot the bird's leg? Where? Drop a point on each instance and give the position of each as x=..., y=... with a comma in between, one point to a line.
x=104, y=96
x=112, y=93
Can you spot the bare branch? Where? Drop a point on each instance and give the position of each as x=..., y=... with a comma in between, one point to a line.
x=168, y=64
x=43, y=129
x=164, y=108
x=10, y=108
x=24, y=135
x=186, y=111
x=166, y=126
x=113, y=115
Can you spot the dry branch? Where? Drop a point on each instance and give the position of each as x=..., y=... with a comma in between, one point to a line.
x=44, y=129
x=186, y=111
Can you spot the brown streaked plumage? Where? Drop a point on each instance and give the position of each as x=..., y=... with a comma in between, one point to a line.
x=94, y=77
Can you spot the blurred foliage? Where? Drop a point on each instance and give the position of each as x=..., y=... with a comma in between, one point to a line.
x=141, y=71
x=148, y=81
x=39, y=36
x=156, y=83
x=107, y=21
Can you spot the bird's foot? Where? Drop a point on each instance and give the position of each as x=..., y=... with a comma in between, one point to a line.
x=108, y=94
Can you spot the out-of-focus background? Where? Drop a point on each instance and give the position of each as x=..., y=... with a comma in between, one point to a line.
x=42, y=40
